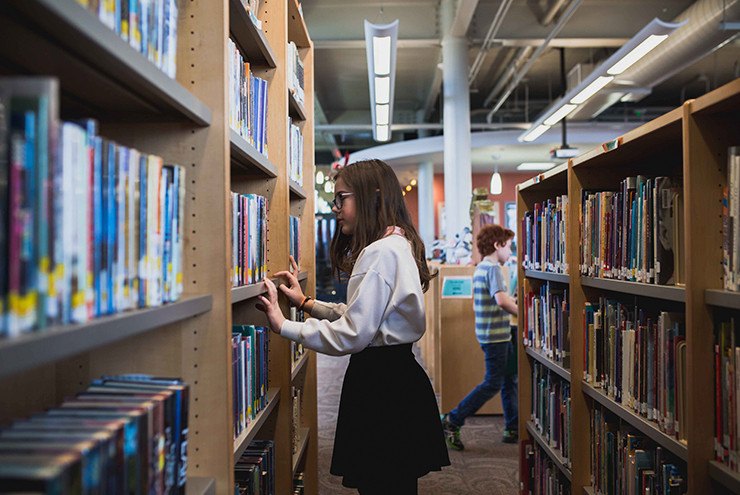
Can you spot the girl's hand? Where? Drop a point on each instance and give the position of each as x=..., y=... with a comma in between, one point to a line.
x=271, y=307
x=293, y=290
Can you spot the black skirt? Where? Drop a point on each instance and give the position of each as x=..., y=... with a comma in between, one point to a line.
x=388, y=424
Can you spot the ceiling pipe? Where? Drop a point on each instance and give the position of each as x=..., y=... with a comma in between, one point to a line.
x=562, y=21
x=425, y=126
x=552, y=11
x=520, y=58
x=488, y=40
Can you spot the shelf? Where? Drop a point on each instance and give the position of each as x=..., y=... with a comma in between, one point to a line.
x=246, y=292
x=54, y=343
x=724, y=476
x=553, y=454
x=297, y=31
x=553, y=366
x=200, y=486
x=665, y=292
x=554, y=179
x=562, y=278
x=302, y=276
x=588, y=490
x=248, y=158
x=296, y=190
x=722, y=298
x=302, y=443
x=296, y=108
x=297, y=367
x=100, y=74
x=250, y=38
x=642, y=424
x=246, y=437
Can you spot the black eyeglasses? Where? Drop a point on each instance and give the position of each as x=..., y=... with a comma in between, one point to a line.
x=338, y=200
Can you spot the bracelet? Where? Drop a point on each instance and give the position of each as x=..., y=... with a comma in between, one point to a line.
x=305, y=300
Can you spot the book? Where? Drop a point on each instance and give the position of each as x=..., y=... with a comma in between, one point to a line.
x=545, y=236
x=254, y=471
x=248, y=97
x=731, y=221
x=249, y=358
x=248, y=239
x=551, y=409
x=295, y=155
x=545, y=325
x=541, y=476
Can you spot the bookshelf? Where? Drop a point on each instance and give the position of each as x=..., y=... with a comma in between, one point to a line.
x=554, y=366
x=553, y=454
x=689, y=142
x=560, y=278
x=186, y=121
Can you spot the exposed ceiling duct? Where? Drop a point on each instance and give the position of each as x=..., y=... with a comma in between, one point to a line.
x=701, y=35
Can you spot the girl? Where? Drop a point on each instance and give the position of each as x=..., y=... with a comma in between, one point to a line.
x=389, y=432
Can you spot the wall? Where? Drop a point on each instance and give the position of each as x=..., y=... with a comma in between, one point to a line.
x=508, y=194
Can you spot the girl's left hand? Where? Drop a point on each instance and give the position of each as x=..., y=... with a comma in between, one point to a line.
x=271, y=307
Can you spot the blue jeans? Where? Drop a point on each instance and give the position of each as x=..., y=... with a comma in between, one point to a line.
x=496, y=380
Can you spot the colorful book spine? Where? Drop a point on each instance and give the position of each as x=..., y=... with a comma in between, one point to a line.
x=727, y=392
x=545, y=325
x=542, y=476
x=254, y=471
x=295, y=155
x=250, y=351
x=545, y=235
x=295, y=238
x=551, y=409
x=731, y=221
x=248, y=97
x=248, y=239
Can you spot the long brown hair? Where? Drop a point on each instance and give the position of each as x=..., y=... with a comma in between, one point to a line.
x=379, y=204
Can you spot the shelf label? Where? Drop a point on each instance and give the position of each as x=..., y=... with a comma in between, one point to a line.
x=612, y=145
x=457, y=288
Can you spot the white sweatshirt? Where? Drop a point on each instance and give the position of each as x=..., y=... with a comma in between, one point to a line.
x=385, y=304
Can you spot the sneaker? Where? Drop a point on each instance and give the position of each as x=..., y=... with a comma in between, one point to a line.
x=452, y=434
x=511, y=436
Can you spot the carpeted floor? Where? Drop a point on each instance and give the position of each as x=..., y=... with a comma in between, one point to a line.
x=486, y=467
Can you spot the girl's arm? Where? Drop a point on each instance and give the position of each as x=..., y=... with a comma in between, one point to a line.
x=294, y=293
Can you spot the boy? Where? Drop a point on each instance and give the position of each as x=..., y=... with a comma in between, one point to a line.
x=492, y=302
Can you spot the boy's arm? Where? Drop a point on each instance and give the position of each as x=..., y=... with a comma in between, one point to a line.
x=506, y=302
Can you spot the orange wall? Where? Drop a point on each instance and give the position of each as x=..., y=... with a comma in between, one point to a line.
x=508, y=194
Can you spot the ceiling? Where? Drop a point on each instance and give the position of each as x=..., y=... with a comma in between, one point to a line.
x=596, y=29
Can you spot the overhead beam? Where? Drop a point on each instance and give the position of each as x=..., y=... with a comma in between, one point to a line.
x=464, y=12
x=514, y=42
x=349, y=128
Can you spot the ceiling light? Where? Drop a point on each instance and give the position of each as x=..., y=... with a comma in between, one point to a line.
x=382, y=55
x=382, y=90
x=408, y=188
x=591, y=89
x=560, y=114
x=382, y=133
x=413, y=182
x=535, y=166
x=637, y=53
x=382, y=116
x=319, y=177
x=533, y=134
x=496, y=183
x=328, y=187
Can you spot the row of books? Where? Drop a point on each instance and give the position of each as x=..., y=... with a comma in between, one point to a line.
x=296, y=349
x=727, y=393
x=299, y=485
x=249, y=360
x=545, y=236
x=123, y=435
x=88, y=227
x=542, y=476
x=149, y=26
x=545, y=325
x=248, y=239
x=295, y=155
x=248, y=101
x=252, y=7
x=551, y=409
x=638, y=359
x=635, y=233
x=254, y=471
x=296, y=79
x=731, y=221
x=296, y=394
x=626, y=463
x=295, y=238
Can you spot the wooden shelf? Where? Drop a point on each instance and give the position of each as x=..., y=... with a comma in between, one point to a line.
x=562, y=278
x=303, y=433
x=553, y=179
x=297, y=367
x=553, y=454
x=248, y=158
x=246, y=292
x=296, y=191
x=296, y=108
x=251, y=40
x=724, y=476
x=297, y=30
x=665, y=292
x=100, y=74
x=302, y=276
x=200, y=486
x=54, y=343
x=648, y=428
x=588, y=490
x=246, y=437
x=722, y=298
x=553, y=366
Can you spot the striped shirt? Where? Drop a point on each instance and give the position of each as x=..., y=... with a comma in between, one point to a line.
x=491, y=321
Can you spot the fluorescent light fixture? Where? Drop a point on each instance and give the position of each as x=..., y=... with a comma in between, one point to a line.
x=535, y=166
x=533, y=134
x=496, y=184
x=382, y=55
x=382, y=133
x=591, y=89
x=560, y=114
x=380, y=44
x=637, y=53
x=382, y=117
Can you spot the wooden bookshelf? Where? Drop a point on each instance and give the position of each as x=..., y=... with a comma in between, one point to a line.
x=552, y=453
x=298, y=367
x=729, y=479
x=296, y=108
x=297, y=191
x=588, y=490
x=550, y=364
x=561, y=278
x=186, y=121
x=689, y=142
x=303, y=435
